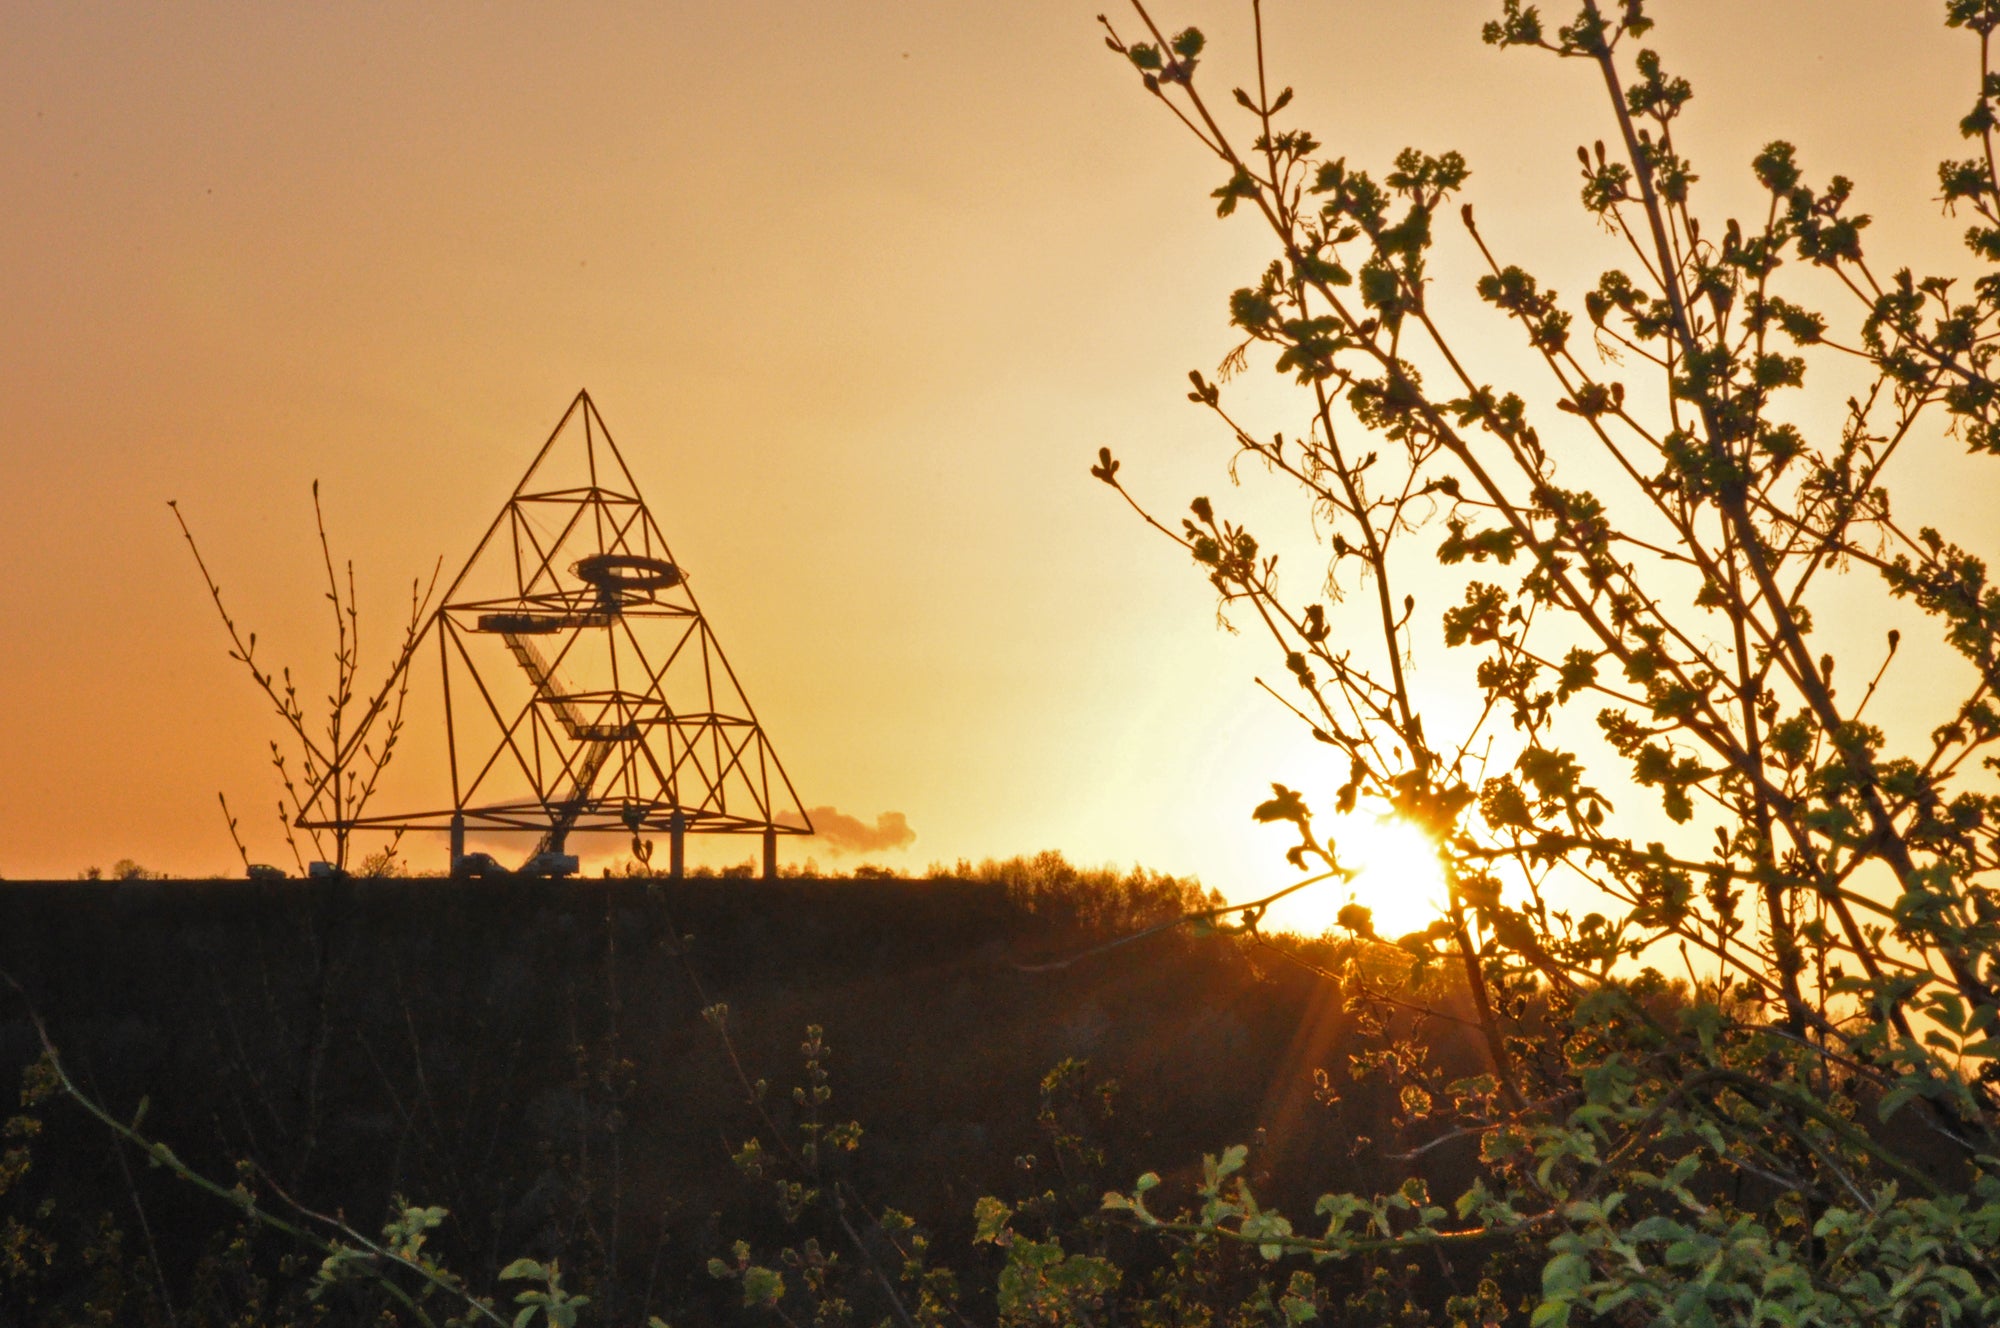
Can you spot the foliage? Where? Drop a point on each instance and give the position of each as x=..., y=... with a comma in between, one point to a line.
x=1804, y=1129
x=125, y=869
x=388, y=1279
x=383, y=862
x=1096, y=898
x=458, y=1010
x=1662, y=768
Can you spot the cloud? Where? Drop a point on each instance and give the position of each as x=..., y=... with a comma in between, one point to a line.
x=850, y=834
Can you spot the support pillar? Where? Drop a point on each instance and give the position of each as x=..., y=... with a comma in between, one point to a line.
x=770, y=853
x=677, y=829
x=457, y=841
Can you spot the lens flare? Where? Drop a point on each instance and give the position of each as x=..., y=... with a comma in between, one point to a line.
x=1399, y=879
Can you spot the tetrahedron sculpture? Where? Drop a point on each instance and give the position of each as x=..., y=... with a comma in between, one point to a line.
x=583, y=689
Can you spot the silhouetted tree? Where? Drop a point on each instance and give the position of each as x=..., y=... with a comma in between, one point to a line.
x=1662, y=769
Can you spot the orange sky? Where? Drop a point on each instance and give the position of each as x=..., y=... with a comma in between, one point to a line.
x=860, y=289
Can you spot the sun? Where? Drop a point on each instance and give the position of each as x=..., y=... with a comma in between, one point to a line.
x=1400, y=879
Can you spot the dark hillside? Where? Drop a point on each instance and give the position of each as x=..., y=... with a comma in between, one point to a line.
x=532, y=1056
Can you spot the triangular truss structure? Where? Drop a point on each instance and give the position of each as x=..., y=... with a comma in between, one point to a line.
x=583, y=689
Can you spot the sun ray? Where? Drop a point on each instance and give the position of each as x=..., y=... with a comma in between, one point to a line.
x=1399, y=879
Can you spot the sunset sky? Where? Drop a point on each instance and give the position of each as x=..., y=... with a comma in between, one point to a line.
x=859, y=289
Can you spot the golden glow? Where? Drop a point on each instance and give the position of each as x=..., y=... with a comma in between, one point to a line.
x=383, y=246
x=1400, y=879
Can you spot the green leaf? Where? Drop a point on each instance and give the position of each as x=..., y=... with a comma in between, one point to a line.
x=762, y=1288
x=1894, y=1100
x=1565, y=1275
x=1657, y=1227
x=990, y=1218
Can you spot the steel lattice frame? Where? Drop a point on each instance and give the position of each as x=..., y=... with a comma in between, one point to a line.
x=658, y=737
